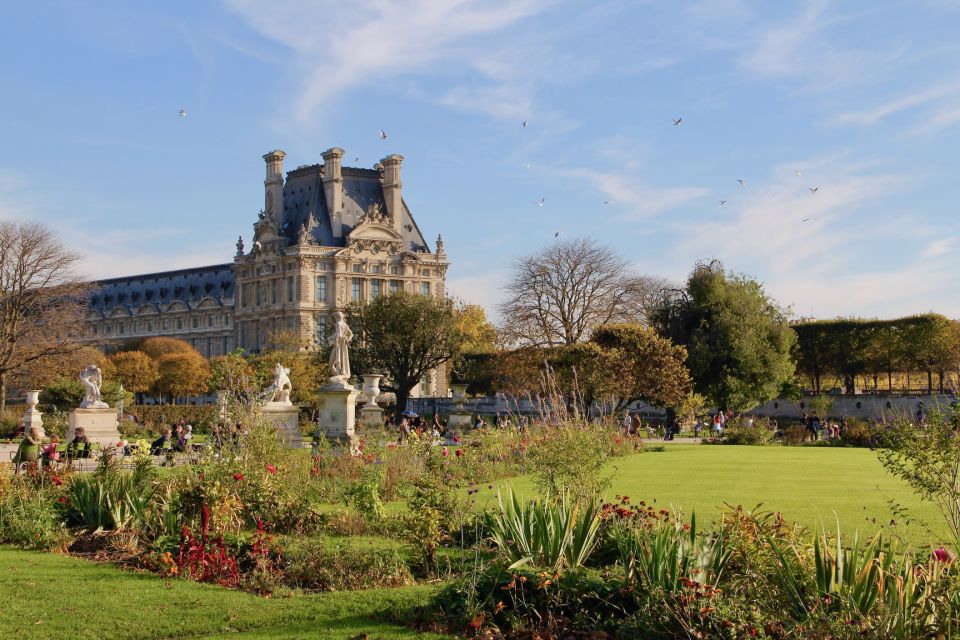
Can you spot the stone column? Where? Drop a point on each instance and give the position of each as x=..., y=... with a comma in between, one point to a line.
x=338, y=412
x=32, y=418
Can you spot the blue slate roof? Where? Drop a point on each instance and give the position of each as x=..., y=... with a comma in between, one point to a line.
x=186, y=285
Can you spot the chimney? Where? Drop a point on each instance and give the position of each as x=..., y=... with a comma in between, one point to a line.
x=333, y=188
x=392, y=188
x=273, y=183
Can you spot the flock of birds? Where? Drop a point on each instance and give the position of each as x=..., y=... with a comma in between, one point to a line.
x=383, y=135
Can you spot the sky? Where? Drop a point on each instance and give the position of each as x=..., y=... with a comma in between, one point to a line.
x=841, y=118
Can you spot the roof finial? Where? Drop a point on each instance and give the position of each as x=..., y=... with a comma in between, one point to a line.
x=239, y=246
x=439, y=244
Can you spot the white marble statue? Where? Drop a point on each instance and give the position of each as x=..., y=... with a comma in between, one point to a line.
x=280, y=390
x=92, y=380
x=340, y=354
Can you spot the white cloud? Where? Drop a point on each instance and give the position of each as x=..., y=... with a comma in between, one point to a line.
x=484, y=290
x=938, y=247
x=634, y=199
x=340, y=46
x=900, y=104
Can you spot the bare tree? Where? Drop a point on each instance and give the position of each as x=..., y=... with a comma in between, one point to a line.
x=559, y=294
x=42, y=302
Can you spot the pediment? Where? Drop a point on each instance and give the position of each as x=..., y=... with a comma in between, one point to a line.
x=178, y=306
x=208, y=303
x=374, y=231
x=148, y=309
x=119, y=312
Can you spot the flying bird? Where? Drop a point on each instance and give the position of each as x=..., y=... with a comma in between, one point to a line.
x=609, y=202
x=807, y=219
x=677, y=122
x=525, y=165
x=798, y=172
x=356, y=159
x=556, y=235
x=539, y=202
x=723, y=202
x=813, y=189
x=742, y=182
x=383, y=134
x=524, y=124
x=183, y=113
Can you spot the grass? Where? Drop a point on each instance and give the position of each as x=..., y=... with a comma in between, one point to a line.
x=55, y=596
x=812, y=486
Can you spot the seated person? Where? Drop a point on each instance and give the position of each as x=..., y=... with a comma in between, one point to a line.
x=50, y=455
x=79, y=437
x=186, y=433
x=158, y=446
x=26, y=452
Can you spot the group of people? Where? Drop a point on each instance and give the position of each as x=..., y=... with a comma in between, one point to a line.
x=176, y=438
x=828, y=430
x=49, y=454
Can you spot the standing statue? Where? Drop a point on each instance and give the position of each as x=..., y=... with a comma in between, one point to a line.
x=339, y=354
x=280, y=390
x=92, y=380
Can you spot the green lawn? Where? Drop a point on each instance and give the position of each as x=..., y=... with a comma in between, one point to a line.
x=44, y=595
x=809, y=485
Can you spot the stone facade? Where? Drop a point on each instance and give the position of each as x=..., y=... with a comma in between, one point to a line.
x=327, y=235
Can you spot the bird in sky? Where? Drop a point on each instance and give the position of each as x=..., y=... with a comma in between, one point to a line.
x=539, y=202
x=556, y=235
x=609, y=202
x=723, y=202
x=677, y=122
x=384, y=135
x=183, y=113
x=798, y=172
x=742, y=182
x=525, y=165
x=524, y=124
x=808, y=219
x=356, y=159
x=813, y=189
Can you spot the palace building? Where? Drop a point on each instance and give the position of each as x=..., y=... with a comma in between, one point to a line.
x=327, y=235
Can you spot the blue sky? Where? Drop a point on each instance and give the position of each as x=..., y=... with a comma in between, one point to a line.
x=862, y=98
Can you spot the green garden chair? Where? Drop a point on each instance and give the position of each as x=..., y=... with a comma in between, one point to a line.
x=25, y=454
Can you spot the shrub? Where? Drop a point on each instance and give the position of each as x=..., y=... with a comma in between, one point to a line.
x=795, y=435
x=433, y=513
x=757, y=435
x=313, y=566
x=569, y=458
x=31, y=519
x=859, y=433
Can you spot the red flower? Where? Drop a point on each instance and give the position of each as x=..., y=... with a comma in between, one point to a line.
x=62, y=500
x=56, y=480
x=459, y=453
x=271, y=469
x=238, y=477
x=120, y=444
x=456, y=439
x=942, y=555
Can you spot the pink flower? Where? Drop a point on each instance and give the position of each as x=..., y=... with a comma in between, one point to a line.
x=238, y=477
x=120, y=444
x=456, y=439
x=459, y=453
x=942, y=555
x=56, y=480
x=271, y=469
x=445, y=452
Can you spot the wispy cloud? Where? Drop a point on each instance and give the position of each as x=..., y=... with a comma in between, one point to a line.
x=902, y=103
x=939, y=247
x=634, y=199
x=339, y=46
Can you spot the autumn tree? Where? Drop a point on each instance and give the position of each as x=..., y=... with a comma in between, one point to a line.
x=182, y=374
x=160, y=346
x=137, y=371
x=559, y=294
x=480, y=336
x=308, y=367
x=404, y=336
x=737, y=338
x=42, y=301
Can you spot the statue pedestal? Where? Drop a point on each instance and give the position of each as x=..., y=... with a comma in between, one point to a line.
x=285, y=418
x=371, y=417
x=458, y=420
x=338, y=401
x=100, y=425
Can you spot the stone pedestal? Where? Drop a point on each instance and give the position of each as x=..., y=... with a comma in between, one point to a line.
x=285, y=418
x=371, y=417
x=337, y=418
x=32, y=419
x=99, y=424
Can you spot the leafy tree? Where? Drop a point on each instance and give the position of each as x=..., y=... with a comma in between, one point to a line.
x=136, y=370
x=480, y=336
x=42, y=302
x=737, y=339
x=182, y=374
x=161, y=346
x=404, y=336
x=561, y=293
x=39, y=373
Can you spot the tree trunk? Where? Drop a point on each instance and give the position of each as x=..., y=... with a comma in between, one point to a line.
x=929, y=381
x=890, y=379
x=3, y=395
x=403, y=394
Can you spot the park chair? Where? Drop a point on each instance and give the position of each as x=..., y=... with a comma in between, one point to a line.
x=25, y=454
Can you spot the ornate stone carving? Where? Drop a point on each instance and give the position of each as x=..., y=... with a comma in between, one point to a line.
x=92, y=380
x=239, y=246
x=280, y=390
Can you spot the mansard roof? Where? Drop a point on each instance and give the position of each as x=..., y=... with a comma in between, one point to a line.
x=304, y=198
x=189, y=286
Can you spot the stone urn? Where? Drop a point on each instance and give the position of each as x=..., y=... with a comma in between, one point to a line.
x=33, y=398
x=459, y=394
x=459, y=418
x=31, y=417
x=371, y=389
